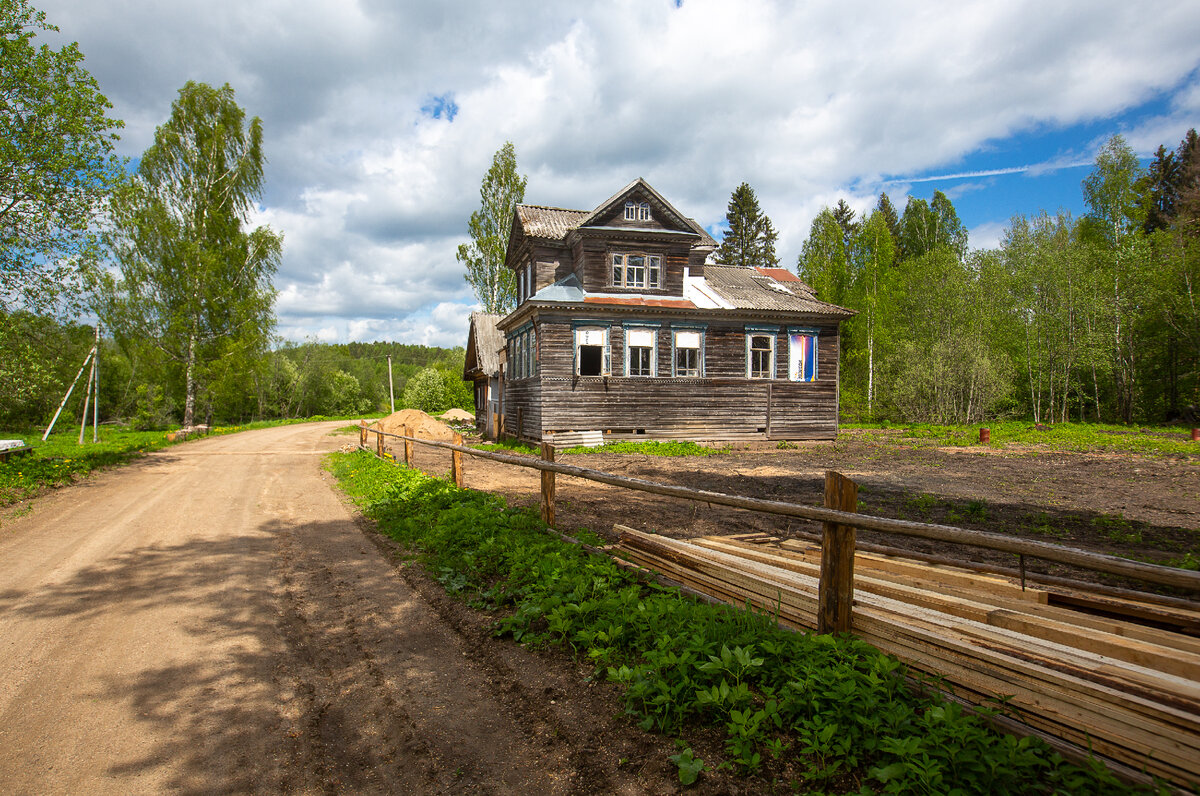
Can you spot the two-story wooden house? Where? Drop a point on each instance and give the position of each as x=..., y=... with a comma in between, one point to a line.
x=623, y=331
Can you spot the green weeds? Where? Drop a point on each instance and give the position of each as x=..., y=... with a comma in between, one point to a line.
x=652, y=448
x=847, y=710
x=1077, y=437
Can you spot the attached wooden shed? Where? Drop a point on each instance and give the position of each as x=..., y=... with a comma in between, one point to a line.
x=483, y=367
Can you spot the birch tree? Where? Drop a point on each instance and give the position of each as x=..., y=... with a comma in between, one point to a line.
x=195, y=287
x=502, y=190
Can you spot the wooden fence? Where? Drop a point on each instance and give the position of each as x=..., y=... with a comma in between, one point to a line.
x=837, y=516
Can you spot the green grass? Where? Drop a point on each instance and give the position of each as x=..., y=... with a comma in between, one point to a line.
x=510, y=445
x=61, y=459
x=1077, y=437
x=652, y=448
x=835, y=714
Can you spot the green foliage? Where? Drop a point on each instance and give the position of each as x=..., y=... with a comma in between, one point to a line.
x=502, y=190
x=749, y=236
x=843, y=706
x=426, y=391
x=195, y=293
x=652, y=448
x=688, y=764
x=56, y=165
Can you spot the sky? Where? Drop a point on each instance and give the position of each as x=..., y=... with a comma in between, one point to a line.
x=382, y=116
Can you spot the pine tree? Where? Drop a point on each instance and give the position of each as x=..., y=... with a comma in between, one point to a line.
x=750, y=239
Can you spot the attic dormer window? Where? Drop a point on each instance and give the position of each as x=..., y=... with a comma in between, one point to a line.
x=637, y=211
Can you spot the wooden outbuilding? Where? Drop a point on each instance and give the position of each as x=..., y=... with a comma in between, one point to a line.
x=482, y=366
x=624, y=330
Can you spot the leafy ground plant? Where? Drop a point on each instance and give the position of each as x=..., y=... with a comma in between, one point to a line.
x=652, y=448
x=1078, y=437
x=850, y=717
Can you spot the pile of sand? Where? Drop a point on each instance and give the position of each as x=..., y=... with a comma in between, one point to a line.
x=419, y=425
x=457, y=415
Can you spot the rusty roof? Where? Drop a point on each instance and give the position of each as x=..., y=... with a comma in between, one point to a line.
x=640, y=301
x=747, y=288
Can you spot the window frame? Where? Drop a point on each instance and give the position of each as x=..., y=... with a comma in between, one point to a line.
x=629, y=328
x=794, y=335
x=651, y=269
x=605, y=354
x=772, y=335
x=700, y=332
x=637, y=211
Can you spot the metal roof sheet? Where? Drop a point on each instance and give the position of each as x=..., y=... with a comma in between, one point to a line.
x=746, y=288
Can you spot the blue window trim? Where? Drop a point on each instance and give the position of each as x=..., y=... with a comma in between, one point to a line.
x=686, y=327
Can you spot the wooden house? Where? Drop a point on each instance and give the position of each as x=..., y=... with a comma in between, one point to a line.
x=624, y=330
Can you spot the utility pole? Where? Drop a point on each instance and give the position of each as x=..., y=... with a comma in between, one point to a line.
x=96, y=396
x=92, y=384
x=391, y=389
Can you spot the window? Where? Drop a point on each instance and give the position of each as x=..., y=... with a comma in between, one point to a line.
x=637, y=211
x=640, y=352
x=522, y=354
x=689, y=360
x=802, y=354
x=591, y=351
x=760, y=359
x=637, y=270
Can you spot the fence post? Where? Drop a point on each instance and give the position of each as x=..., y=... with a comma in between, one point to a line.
x=362, y=433
x=548, y=485
x=456, y=462
x=379, y=443
x=408, y=446
x=835, y=592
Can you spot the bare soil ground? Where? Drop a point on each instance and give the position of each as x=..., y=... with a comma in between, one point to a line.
x=1135, y=505
x=215, y=619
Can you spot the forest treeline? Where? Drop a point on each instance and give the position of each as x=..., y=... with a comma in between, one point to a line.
x=1090, y=319
x=293, y=380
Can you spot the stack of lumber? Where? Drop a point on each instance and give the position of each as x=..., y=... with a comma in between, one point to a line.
x=1126, y=690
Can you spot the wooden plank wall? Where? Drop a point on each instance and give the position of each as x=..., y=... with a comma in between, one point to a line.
x=723, y=406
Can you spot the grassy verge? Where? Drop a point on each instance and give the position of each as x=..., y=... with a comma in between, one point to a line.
x=652, y=448
x=1060, y=436
x=61, y=459
x=799, y=711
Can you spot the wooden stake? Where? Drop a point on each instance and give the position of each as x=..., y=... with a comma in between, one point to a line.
x=548, y=485
x=456, y=462
x=362, y=433
x=835, y=594
x=379, y=444
x=408, y=445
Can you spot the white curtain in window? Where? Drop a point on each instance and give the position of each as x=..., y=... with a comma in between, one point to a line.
x=687, y=339
x=641, y=338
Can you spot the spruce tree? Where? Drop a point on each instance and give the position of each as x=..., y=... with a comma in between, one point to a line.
x=750, y=239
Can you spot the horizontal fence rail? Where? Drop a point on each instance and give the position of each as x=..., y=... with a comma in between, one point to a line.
x=1046, y=551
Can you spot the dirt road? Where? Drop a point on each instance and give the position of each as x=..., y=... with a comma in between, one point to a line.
x=213, y=619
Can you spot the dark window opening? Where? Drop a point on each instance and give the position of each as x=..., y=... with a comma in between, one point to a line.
x=591, y=359
x=687, y=362
x=639, y=361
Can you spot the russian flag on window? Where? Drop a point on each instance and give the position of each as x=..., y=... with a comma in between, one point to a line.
x=802, y=356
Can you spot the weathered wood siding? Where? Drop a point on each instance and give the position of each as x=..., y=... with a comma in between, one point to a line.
x=723, y=405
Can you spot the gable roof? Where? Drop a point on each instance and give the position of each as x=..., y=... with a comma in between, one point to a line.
x=747, y=288
x=609, y=204
x=484, y=341
x=555, y=223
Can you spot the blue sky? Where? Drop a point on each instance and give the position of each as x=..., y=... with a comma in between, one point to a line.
x=381, y=116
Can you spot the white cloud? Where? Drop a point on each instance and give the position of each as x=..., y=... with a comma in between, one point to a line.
x=808, y=102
